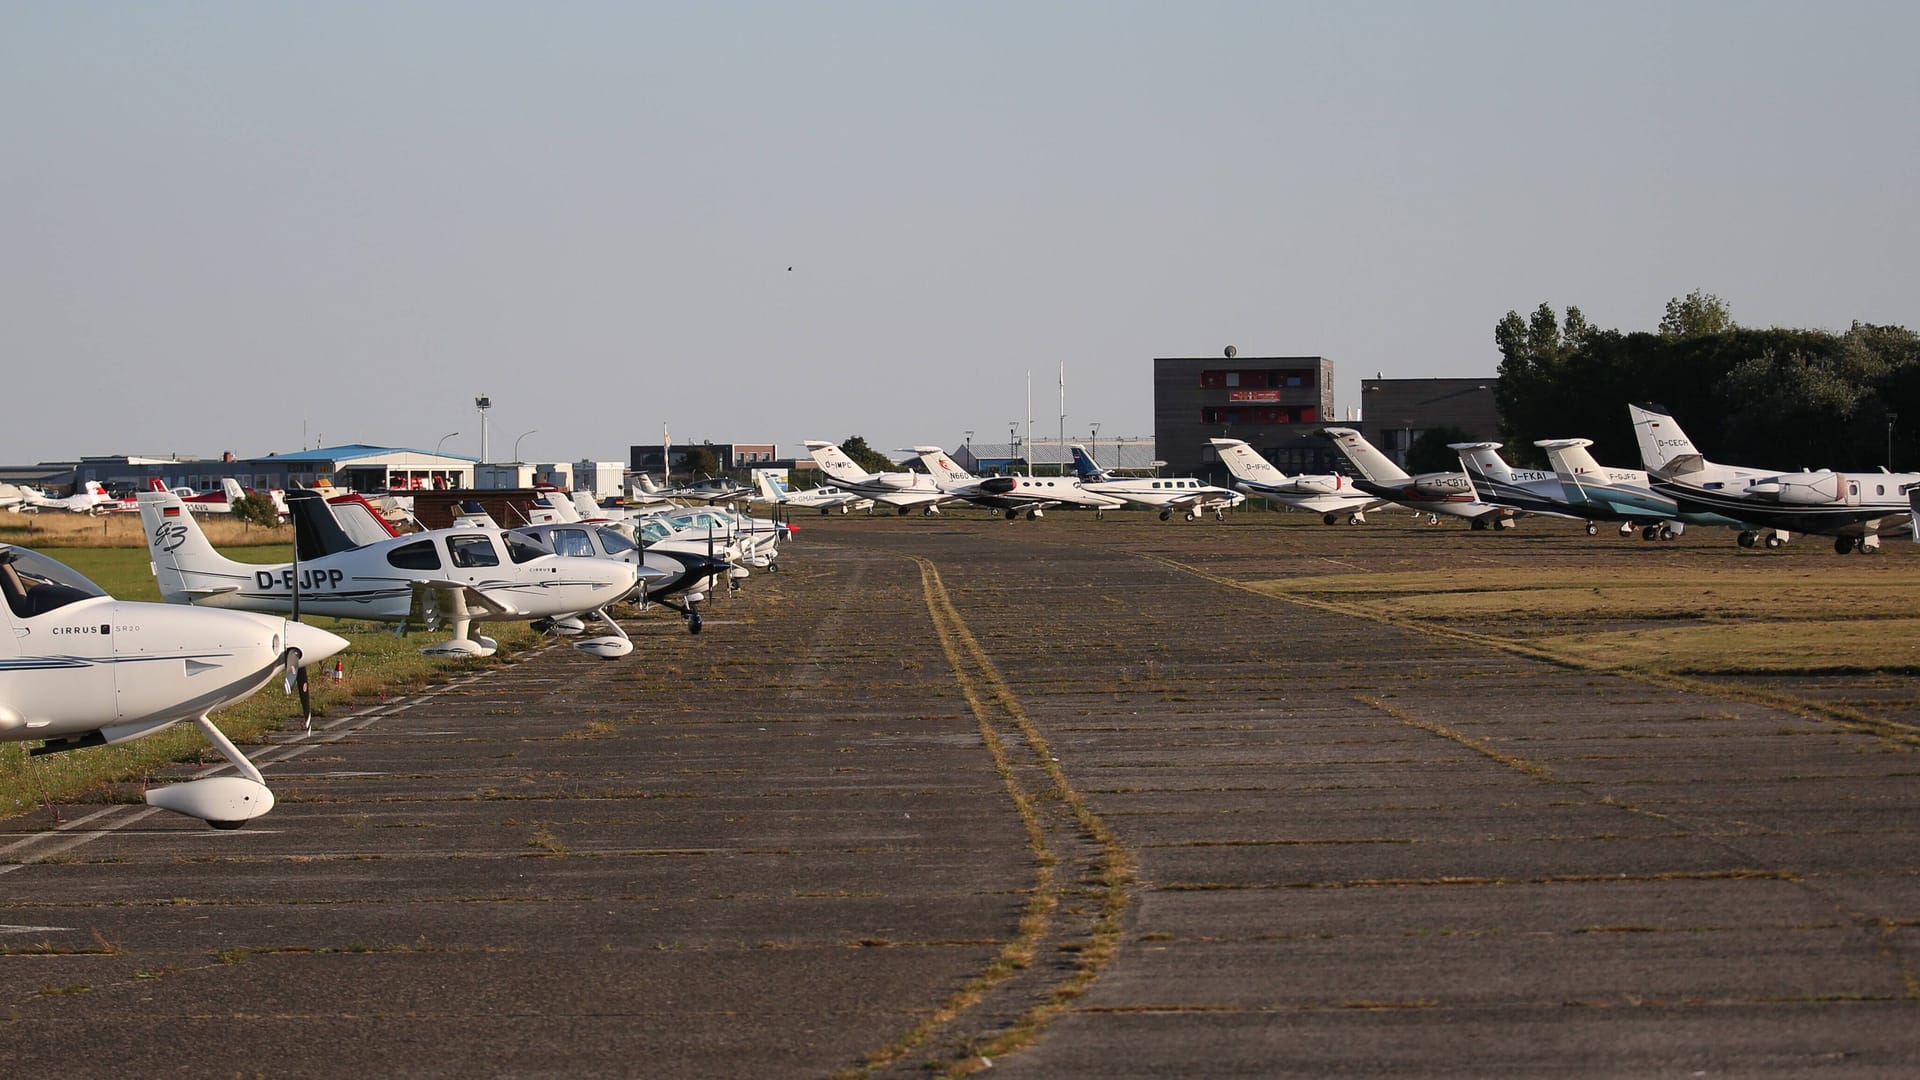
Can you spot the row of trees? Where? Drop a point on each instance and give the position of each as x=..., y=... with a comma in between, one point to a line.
x=1774, y=398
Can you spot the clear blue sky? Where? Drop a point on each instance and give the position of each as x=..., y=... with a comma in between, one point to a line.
x=238, y=226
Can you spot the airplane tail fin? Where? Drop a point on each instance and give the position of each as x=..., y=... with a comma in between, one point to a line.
x=1572, y=462
x=946, y=475
x=185, y=564
x=1085, y=467
x=154, y=484
x=1483, y=463
x=1366, y=457
x=769, y=485
x=1246, y=463
x=232, y=490
x=1664, y=447
x=835, y=462
x=316, y=531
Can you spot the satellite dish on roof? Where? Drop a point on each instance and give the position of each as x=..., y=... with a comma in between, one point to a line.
x=1232, y=352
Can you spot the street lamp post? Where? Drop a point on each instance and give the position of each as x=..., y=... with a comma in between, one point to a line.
x=483, y=403
x=443, y=442
x=971, y=464
x=516, y=444
x=1093, y=440
x=1013, y=444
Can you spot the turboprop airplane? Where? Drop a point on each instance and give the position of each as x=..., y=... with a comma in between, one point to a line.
x=902, y=491
x=91, y=498
x=463, y=576
x=1431, y=494
x=1850, y=507
x=1155, y=493
x=824, y=499
x=1603, y=493
x=1013, y=495
x=79, y=668
x=1329, y=495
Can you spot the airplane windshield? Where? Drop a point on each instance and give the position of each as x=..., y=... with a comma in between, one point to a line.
x=35, y=584
x=615, y=543
x=524, y=548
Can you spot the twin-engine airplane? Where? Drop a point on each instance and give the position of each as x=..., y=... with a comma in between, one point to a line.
x=462, y=576
x=903, y=491
x=1432, y=494
x=1155, y=493
x=1013, y=495
x=824, y=499
x=79, y=668
x=1329, y=495
x=1850, y=507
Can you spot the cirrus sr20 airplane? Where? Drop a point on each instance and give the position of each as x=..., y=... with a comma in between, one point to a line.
x=79, y=668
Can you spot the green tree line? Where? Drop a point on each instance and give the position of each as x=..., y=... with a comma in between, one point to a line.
x=1773, y=398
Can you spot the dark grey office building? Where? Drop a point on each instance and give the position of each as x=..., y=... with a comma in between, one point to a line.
x=1277, y=404
x=1394, y=412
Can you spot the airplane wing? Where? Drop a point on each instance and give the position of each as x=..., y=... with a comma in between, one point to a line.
x=454, y=598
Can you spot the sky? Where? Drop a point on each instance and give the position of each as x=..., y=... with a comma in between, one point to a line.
x=265, y=227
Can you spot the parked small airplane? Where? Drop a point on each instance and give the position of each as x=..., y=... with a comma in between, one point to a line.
x=1526, y=491
x=11, y=496
x=79, y=668
x=1601, y=492
x=1013, y=495
x=902, y=491
x=824, y=499
x=1850, y=507
x=1329, y=495
x=460, y=575
x=1155, y=493
x=91, y=498
x=1432, y=494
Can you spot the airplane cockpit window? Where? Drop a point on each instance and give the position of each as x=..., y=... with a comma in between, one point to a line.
x=415, y=556
x=35, y=584
x=523, y=548
x=468, y=552
x=573, y=543
x=614, y=543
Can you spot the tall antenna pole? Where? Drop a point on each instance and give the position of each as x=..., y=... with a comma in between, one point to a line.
x=1029, y=422
x=1063, y=417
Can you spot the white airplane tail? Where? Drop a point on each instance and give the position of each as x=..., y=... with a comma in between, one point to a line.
x=1483, y=460
x=577, y=506
x=946, y=475
x=1572, y=461
x=1664, y=447
x=772, y=488
x=1366, y=457
x=232, y=490
x=835, y=462
x=1246, y=463
x=185, y=564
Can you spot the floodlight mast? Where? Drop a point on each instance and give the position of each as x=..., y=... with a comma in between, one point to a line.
x=483, y=403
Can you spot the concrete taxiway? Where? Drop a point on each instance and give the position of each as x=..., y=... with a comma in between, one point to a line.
x=950, y=793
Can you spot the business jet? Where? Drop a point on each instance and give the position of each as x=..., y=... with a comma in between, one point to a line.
x=79, y=668
x=824, y=499
x=1526, y=491
x=462, y=576
x=1431, y=494
x=1850, y=507
x=1155, y=493
x=1329, y=495
x=1013, y=495
x=1603, y=493
x=902, y=491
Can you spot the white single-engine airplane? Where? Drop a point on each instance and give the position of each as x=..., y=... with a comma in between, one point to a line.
x=903, y=491
x=1155, y=493
x=79, y=668
x=90, y=498
x=460, y=575
x=1431, y=494
x=1013, y=495
x=1329, y=495
x=1850, y=507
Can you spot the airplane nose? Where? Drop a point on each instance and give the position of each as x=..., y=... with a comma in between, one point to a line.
x=314, y=643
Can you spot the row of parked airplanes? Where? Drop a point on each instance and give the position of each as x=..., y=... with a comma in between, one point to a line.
x=1676, y=487
x=79, y=668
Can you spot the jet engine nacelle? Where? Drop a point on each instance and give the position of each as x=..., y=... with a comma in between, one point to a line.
x=1812, y=489
x=1442, y=484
